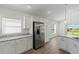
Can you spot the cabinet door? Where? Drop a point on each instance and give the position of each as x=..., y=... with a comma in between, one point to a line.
x=29, y=24
x=29, y=43
x=62, y=42
x=21, y=45
x=73, y=47
x=77, y=47
x=7, y=47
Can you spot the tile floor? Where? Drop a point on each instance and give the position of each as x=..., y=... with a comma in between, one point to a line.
x=50, y=48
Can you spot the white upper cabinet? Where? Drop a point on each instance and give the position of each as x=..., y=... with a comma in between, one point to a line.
x=27, y=24
x=41, y=20
x=35, y=18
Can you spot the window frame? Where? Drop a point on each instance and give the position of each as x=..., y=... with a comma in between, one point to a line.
x=11, y=33
x=67, y=30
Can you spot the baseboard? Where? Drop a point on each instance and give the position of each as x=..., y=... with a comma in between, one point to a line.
x=64, y=51
x=25, y=52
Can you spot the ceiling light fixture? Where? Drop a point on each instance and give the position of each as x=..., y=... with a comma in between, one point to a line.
x=29, y=6
x=49, y=12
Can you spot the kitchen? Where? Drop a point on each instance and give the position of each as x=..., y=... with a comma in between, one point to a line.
x=16, y=27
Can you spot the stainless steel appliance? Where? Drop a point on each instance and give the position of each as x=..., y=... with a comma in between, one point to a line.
x=38, y=35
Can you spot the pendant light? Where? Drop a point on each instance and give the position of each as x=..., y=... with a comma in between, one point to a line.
x=65, y=21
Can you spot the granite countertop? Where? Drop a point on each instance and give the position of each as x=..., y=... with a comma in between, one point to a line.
x=10, y=38
x=73, y=38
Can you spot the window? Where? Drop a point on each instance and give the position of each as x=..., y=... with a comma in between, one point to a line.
x=11, y=26
x=73, y=29
x=54, y=28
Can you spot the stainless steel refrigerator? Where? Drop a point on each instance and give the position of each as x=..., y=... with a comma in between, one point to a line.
x=38, y=34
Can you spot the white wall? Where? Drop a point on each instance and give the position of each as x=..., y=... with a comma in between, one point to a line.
x=49, y=27
x=10, y=13
x=61, y=28
x=5, y=12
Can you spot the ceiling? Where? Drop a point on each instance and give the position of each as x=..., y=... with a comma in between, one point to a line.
x=50, y=11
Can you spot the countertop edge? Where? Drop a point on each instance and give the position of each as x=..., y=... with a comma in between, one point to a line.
x=70, y=38
x=14, y=38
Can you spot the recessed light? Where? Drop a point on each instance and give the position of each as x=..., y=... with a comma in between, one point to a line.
x=29, y=6
x=49, y=12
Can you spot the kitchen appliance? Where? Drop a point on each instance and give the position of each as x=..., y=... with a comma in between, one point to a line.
x=38, y=34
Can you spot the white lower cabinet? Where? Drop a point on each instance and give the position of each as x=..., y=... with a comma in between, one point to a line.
x=69, y=45
x=73, y=47
x=29, y=43
x=7, y=47
x=62, y=43
x=77, y=48
x=16, y=46
x=21, y=45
